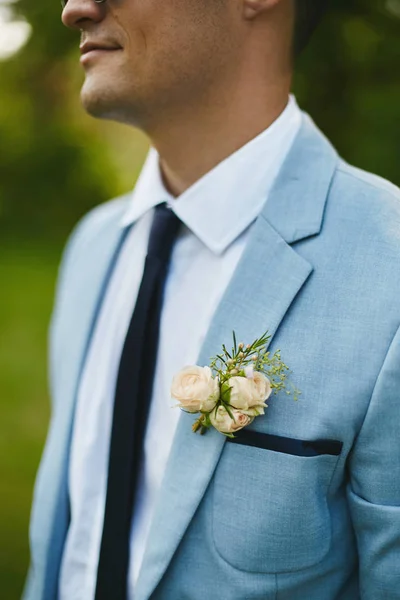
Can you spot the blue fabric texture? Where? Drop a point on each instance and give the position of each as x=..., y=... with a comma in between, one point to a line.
x=321, y=272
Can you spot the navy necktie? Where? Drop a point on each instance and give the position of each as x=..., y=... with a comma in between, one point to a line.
x=131, y=407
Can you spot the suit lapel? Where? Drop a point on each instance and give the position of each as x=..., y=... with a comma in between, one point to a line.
x=269, y=276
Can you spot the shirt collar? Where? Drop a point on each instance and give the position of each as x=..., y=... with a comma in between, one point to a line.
x=225, y=201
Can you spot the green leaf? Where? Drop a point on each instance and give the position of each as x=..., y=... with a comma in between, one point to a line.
x=228, y=410
x=226, y=392
x=226, y=351
x=222, y=359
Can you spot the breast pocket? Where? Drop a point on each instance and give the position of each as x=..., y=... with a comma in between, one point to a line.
x=270, y=511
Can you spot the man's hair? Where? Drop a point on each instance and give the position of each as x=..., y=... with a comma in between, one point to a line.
x=308, y=15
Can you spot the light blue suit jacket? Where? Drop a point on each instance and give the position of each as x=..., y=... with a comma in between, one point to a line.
x=321, y=272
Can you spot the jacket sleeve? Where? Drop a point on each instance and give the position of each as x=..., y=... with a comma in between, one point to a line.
x=374, y=485
x=79, y=244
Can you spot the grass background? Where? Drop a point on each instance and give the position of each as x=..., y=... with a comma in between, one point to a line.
x=27, y=276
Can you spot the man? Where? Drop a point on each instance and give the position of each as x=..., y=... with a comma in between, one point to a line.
x=250, y=222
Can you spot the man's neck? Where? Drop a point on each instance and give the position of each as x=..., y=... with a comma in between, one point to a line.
x=198, y=140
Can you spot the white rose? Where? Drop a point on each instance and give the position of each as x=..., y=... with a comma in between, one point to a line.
x=241, y=395
x=248, y=392
x=249, y=371
x=261, y=388
x=221, y=420
x=255, y=411
x=195, y=389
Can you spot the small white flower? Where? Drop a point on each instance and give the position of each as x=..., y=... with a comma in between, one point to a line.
x=221, y=420
x=249, y=372
x=255, y=411
x=248, y=392
x=261, y=388
x=195, y=389
x=241, y=393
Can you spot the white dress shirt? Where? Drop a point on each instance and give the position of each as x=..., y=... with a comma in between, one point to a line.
x=217, y=213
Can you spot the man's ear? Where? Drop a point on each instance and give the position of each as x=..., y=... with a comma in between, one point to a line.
x=253, y=8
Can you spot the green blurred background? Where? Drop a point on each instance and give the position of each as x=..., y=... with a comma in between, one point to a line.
x=56, y=163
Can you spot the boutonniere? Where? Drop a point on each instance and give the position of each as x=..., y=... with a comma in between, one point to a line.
x=233, y=390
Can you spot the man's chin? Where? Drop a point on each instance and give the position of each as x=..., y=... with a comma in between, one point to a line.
x=104, y=103
x=96, y=102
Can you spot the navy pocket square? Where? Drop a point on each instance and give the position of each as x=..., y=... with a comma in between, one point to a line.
x=277, y=443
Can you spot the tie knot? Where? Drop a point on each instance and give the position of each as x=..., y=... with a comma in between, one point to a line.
x=163, y=232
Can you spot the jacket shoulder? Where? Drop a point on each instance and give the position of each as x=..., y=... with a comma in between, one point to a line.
x=88, y=228
x=357, y=182
x=95, y=221
x=366, y=206
x=361, y=231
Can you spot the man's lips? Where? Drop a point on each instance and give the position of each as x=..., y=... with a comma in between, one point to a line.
x=91, y=46
x=92, y=50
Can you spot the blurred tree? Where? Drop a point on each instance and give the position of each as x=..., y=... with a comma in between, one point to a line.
x=349, y=81
x=52, y=166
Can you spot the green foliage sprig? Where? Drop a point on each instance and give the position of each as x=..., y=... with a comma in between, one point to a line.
x=234, y=363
